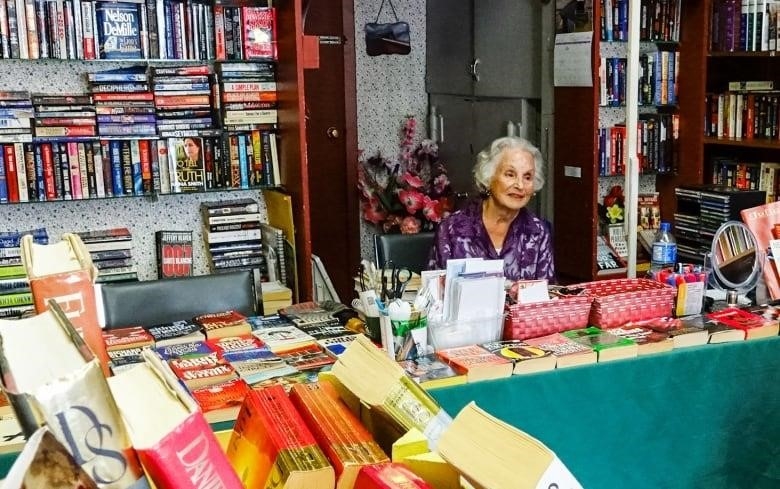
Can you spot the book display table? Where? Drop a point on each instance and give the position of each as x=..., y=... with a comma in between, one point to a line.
x=697, y=417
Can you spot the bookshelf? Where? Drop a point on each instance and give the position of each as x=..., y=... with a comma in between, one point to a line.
x=57, y=76
x=589, y=147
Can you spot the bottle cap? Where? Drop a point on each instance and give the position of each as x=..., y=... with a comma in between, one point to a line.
x=666, y=227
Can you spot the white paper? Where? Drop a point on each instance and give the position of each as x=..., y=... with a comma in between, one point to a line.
x=572, y=60
x=558, y=476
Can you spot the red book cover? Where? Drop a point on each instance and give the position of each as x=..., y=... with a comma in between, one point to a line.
x=764, y=222
x=346, y=442
x=48, y=171
x=130, y=337
x=734, y=317
x=234, y=344
x=223, y=324
x=202, y=371
x=225, y=397
x=175, y=444
x=389, y=476
x=174, y=253
x=259, y=32
x=10, y=173
x=270, y=441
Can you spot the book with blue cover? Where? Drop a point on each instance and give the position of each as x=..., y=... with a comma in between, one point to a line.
x=118, y=30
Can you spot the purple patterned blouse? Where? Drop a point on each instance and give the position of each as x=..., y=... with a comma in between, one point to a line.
x=527, y=250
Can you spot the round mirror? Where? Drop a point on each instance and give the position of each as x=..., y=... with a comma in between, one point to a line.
x=735, y=260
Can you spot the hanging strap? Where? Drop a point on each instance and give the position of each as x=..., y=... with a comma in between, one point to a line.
x=390, y=2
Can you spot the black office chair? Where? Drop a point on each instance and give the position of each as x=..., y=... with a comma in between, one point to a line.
x=404, y=250
x=151, y=302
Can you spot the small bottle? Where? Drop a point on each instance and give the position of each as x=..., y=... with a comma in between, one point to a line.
x=664, y=249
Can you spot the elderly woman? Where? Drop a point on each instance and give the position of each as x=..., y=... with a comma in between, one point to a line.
x=498, y=225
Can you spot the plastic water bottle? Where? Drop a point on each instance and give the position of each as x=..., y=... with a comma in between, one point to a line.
x=664, y=249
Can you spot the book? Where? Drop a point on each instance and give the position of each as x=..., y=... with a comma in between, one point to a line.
x=567, y=352
x=273, y=241
x=648, y=341
x=174, y=253
x=476, y=362
x=380, y=383
x=433, y=469
x=174, y=442
x=525, y=358
x=177, y=332
x=222, y=324
x=130, y=337
x=118, y=30
x=606, y=345
x=202, y=371
x=475, y=432
x=283, y=338
x=46, y=463
x=184, y=350
x=211, y=209
x=345, y=441
x=259, y=32
x=271, y=442
x=307, y=357
x=231, y=348
x=718, y=332
x=685, y=336
x=430, y=372
x=761, y=220
x=187, y=157
x=72, y=371
x=389, y=476
x=221, y=402
x=753, y=325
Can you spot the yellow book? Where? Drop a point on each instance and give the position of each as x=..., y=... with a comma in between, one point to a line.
x=412, y=443
x=434, y=470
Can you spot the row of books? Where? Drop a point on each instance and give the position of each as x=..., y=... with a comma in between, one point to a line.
x=732, y=172
x=659, y=20
x=15, y=295
x=146, y=29
x=744, y=25
x=37, y=172
x=111, y=251
x=657, y=79
x=147, y=102
x=657, y=145
x=742, y=115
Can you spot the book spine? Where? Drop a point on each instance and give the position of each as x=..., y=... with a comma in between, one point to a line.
x=3, y=183
x=21, y=172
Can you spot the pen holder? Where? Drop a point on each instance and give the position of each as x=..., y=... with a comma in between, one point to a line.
x=451, y=334
x=404, y=339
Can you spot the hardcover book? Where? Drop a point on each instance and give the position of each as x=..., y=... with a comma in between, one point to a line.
x=118, y=30
x=271, y=445
x=174, y=253
x=174, y=442
x=568, y=353
x=606, y=345
x=526, y=358
x=345, y=441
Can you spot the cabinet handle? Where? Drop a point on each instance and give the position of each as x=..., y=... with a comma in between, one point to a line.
x=474, y=68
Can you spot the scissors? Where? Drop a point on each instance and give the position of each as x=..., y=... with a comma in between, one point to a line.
x=399, y=277
x=362, y=277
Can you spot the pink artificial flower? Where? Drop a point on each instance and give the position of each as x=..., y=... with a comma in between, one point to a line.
x=412, y=200
x=412, y=181
x=432, y=209
x=391, y=222
x=440, y=183
x=410, y=225
x=373, y=211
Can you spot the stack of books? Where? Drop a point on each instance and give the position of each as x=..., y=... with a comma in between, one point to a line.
x=15, y=296
x=111, y=253
x=128, y=87
x=15, y=129
x=182, y=97
x=233, y=236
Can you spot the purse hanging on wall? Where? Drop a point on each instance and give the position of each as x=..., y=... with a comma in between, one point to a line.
x=390, y=38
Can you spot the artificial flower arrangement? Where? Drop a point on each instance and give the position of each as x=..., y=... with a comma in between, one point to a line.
x=612, y=210
x=410, y=194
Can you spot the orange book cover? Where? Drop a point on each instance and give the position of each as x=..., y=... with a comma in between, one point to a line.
x=764, y=222
x=72, y=290
x=476, y=362
x=346, y=442
x=271, y=443
x=389, y=476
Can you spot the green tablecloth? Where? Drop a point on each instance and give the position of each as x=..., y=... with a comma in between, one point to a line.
x=705, y=417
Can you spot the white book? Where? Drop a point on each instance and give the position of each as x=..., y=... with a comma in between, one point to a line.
x=21, y=173
x=97, y=158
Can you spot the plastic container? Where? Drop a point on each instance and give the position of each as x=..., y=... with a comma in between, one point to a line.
x=451, y=334
x=664, y=249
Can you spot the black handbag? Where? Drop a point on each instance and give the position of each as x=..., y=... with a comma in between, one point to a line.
x=390, y=38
